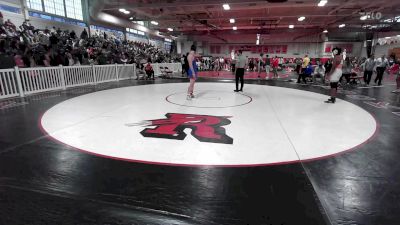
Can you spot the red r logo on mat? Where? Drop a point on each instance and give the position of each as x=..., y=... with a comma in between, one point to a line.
x=204, y=128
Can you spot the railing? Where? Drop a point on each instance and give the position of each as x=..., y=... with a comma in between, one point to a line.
x=8, y=84
x=125, y=72
x=105, y=73
x=26, y=81
x=35, y=80
x=78, y=75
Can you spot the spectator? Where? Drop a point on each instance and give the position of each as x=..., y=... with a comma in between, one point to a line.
x=346, y=70
x=6, y=61
x=267, y=66
x=275, y=64
x=319, y=71
x=305, y=63
x=381, y=65
x=368, y=68
x=306, y=72
x=48, y=46
x=328, y=66
x=149, y=71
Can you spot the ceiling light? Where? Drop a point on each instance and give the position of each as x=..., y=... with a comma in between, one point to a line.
x=126, y=12
x=364, y=17
x=154, y=23
x=325, y=31
x=122, y=10
x=234, y=28
x=170, y=29
x=131, y=18
x=291, y=26
x=226, y=6
x=322, y=3
x=301, y=18
x=342, y=25
x=387, y=37
x=232, y=20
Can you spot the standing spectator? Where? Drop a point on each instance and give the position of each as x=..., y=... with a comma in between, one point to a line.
x=328, y=66
x=251, y=65
x=275, y=64
x=260, y=64
x=84, y=34
x=267, y=66
x=298, y=65
x=381, y=65
x=305, y=73
x=368, y=67
x=305, y=63
x=280, y=62
x=183, y=65
x=346, y=70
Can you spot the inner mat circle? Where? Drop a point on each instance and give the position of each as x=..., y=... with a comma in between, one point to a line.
x=281, y=125
x=210, y=99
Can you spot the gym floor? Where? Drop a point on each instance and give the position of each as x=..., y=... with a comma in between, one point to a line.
x=276, y=155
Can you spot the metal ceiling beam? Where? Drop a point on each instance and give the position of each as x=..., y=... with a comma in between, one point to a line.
x=244, y=3
x=253, y=17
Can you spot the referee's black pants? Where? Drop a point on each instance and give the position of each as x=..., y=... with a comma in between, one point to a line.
x=379, y=74
x=239, y=76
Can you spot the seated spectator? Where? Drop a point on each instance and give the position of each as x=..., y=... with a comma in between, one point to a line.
x=123, y=59
x=149, y=71
x=19, y=61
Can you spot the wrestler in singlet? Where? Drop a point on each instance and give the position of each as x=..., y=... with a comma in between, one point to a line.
x=195, y=68
x=336, y=73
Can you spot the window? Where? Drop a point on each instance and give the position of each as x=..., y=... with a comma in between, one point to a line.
x=35, y=4
x=140, y=33
x=59, y=7
x=55, y=7
x=74, y=9
x=55, y=18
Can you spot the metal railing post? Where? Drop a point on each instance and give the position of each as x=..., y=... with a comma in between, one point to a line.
x=19, y=82
x=134, y=70
x=116, y=71
x=62, y=77
x=94, y=75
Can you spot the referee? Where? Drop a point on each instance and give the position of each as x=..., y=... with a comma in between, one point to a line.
x=240, y=66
